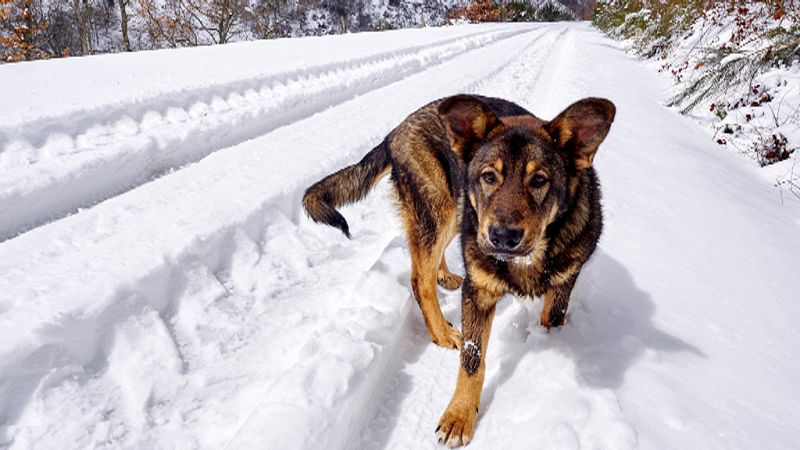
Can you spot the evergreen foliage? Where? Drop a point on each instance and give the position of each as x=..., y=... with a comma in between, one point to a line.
x=716, y=52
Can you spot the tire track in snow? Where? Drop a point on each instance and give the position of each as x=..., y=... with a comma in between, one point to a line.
x=544, y=390
x=194, y=245
x=197, y=369
x=406, y=339
x=122, y=149
x=218, y=338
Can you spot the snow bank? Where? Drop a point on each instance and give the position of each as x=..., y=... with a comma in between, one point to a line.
x=136, y=248
x=71, y=153
x=202, y=309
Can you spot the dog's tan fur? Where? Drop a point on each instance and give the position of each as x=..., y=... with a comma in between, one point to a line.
x=524, y=196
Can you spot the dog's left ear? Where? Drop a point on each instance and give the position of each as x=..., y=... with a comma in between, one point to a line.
x=580, y=129
x=468, y=121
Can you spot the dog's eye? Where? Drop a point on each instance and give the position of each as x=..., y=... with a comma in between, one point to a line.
x=489, y=177
x=538, y=181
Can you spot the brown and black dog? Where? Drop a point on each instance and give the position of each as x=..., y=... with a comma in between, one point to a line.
x=521, y=190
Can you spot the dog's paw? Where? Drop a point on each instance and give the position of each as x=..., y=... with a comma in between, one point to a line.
x=448, y=280
x=450, y=338
x=553, y=318
x=457, y=426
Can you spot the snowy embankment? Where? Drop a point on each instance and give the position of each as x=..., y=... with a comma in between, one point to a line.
x=203, y=309
x=756, y=114
x=77, y=140
x=735, y=71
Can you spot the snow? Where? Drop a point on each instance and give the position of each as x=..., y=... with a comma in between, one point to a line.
x=73, y=141
x=730, y=58
x=202, y=309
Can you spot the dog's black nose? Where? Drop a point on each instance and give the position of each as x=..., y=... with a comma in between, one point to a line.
x=505, y=239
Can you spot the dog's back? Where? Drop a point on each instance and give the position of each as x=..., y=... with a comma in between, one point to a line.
x=421, y=135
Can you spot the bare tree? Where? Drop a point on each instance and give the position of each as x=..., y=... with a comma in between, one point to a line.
x=83, y=27
x=123, y=22
x=342, y=9
x=270, y=18
x=219, y=20
x=167, y=24
x=79, y=8
x=194, y=22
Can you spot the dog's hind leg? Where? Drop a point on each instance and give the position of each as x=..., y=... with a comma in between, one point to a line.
x=447, y=279
x=444, y=277
x=427, y=239
x=424, y=263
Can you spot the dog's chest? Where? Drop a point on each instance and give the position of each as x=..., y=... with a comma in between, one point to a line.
x=526, y=276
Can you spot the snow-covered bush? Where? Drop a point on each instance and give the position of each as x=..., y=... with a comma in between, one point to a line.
x=511, y=11
x=735, y=65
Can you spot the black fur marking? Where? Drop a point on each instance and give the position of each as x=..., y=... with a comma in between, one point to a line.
x=471, y=357
x=410, y=192
x=557, y=315
x=453, y=169
x=345, y=186
x=502, y=107
x=444, y=161
x=517, y=140
x=415, y=289
x=474, y=320
x=337, y=220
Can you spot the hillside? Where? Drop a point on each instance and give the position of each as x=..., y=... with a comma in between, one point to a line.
x=735, y=69
x=161, y=287
x=42, y=29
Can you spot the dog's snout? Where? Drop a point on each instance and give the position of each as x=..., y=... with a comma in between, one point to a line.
x=505, y=239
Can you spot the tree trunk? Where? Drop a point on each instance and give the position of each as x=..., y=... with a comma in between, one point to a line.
x=83, y=28
x=27, y=36
x=123, y=20
x=224, y=17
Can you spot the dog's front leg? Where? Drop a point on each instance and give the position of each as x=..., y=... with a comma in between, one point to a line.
x=556, y=302
x=458, y=421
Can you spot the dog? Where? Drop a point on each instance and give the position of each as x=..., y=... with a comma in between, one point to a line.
x=523, y=194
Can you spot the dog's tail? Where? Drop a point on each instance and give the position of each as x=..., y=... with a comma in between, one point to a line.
x=348, y=185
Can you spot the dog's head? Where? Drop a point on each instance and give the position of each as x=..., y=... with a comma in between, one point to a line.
x=522, y=170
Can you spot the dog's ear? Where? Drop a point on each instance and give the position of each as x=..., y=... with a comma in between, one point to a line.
x=468, y=122
x=579, y=129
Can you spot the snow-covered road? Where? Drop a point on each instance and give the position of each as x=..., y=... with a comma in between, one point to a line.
x=187, y=302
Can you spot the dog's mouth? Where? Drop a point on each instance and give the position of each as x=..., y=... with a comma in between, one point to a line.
x=507, y=256
x=519, y=259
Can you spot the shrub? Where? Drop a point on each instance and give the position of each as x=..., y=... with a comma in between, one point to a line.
x=515, y=11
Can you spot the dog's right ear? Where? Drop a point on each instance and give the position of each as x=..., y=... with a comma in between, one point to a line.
x=468, y=122
x=579, y=129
